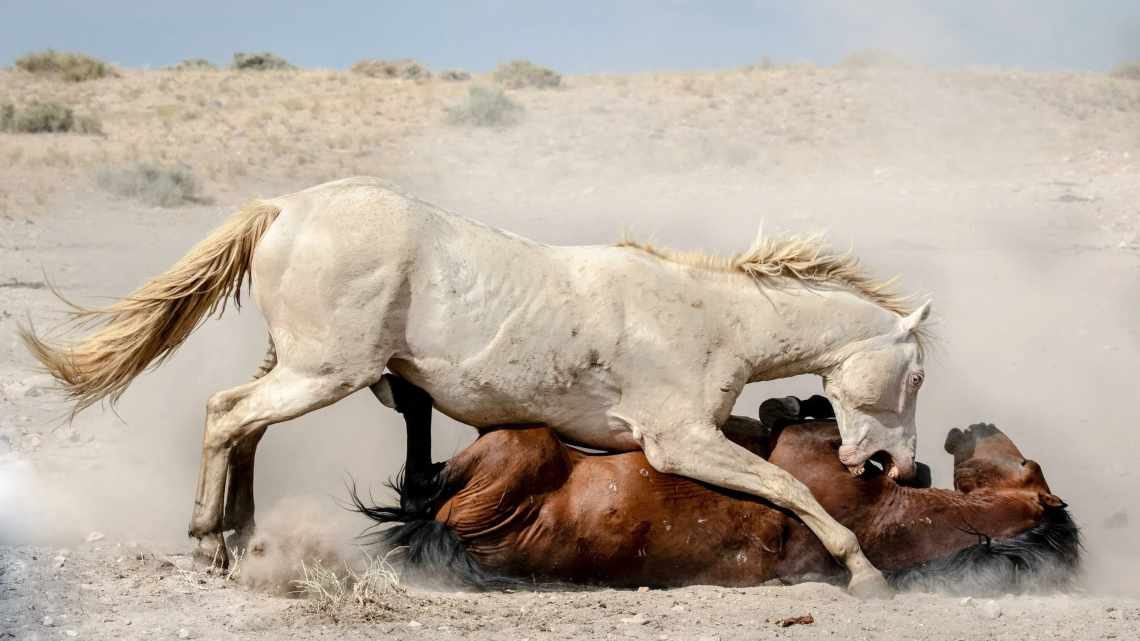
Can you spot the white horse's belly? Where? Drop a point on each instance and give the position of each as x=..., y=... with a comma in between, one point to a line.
x=578, y=412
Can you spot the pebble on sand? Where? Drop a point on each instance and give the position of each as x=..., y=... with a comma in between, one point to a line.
x=990, y=609
x=183, y=633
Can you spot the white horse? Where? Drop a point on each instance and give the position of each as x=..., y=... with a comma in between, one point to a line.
x=615, y=347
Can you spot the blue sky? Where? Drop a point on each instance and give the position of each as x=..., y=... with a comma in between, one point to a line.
x=578, y=36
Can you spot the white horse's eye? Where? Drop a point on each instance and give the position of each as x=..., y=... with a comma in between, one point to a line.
x=916, y=380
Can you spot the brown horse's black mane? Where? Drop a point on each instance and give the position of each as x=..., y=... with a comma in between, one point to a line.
x=1044, y=557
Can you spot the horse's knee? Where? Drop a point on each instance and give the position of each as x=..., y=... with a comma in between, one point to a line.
x=218, y=405
x=674, y=455
x=662, y=459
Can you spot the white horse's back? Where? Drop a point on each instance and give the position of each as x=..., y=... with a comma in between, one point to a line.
x=498, y=328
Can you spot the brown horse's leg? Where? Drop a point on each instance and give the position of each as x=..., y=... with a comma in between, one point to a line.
x=233, y=416
x=238, y=514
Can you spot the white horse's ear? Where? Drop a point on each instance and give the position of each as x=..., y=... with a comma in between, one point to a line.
x=910, y=322
x=382, y=390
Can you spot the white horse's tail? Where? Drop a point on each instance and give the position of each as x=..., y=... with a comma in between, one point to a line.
x=149, y=324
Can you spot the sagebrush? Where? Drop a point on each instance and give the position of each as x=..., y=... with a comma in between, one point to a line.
x=195, y=64
x=872, y=58
x=406, y=69
x=46, y=118
x=263, y=61
x=1129, y=69
x=519, y=74
x=485, y=107
x=152, y=184
x=72, y=67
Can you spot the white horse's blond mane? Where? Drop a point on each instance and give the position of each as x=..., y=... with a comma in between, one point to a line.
x=805, y=258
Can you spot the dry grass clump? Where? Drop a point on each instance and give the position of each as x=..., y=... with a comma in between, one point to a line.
x=263, y=61
x=518, y=74
x=331, y=586
x=872, y=58
x=195, y=64
x=1129, y=69
x=454, y=75
x=152, y=184
x=72, y=67
x=485, y=107
x=44, y=118
x=406, y=69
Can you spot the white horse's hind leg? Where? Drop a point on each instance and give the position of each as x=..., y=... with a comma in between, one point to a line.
x=702, y=452
x=235, y=415
x=238, y=513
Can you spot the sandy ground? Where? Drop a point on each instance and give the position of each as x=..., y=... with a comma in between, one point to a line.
x=1011, y=198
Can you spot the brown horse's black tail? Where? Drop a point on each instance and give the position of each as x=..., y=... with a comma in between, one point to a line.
x=427, y=550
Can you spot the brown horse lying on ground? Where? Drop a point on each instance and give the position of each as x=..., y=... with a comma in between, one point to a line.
x=519, y=507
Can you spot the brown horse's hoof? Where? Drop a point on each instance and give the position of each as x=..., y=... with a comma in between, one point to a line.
x=870, y=585
x=211, y=552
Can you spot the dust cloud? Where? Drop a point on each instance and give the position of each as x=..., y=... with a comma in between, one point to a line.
x=1008, y=204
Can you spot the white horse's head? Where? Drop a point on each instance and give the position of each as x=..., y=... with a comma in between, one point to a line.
x=874, y=391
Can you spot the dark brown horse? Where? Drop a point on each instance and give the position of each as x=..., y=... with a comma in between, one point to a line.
x=519, y=505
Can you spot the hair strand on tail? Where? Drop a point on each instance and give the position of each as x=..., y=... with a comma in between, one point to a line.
x=148, y=325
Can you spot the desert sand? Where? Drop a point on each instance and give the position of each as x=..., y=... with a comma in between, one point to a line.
x=1010, y=198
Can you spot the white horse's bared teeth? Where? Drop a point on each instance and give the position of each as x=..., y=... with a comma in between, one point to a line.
x=857, y=470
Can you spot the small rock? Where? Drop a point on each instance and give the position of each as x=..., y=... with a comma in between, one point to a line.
x=991, y=610
x=49, y=622
x=59, y=561
x=71, y=633
x=805, y=619
x=183, y=633
x=637, y=619
x=967, y=601
x=94, y=536
x=415, y=624
x=643, y=588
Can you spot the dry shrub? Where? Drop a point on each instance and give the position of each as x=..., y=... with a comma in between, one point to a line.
x=1129, y=69
x=152, y=184
x=72, y=67
x=195, y=64
x=872, y=58
x=46, y=117
x=518, y=74
x=263, y=61
x=485, y=107
x=334, y=586
x=454, y=75
x=406, y=69
x=293, y=543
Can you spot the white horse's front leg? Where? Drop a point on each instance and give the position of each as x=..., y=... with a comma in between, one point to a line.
x=700, y=451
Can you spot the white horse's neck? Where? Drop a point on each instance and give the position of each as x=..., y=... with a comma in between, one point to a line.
x=793, y=328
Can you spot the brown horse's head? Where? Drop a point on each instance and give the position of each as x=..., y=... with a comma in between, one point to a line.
x=984, y=457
